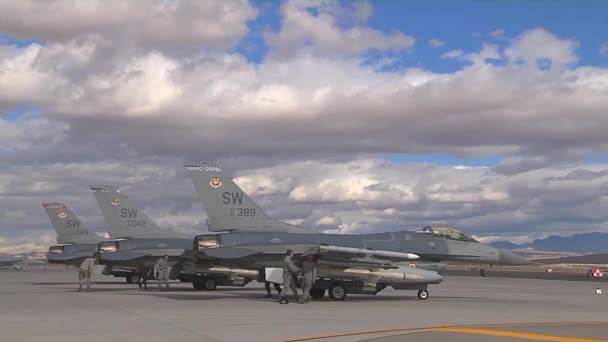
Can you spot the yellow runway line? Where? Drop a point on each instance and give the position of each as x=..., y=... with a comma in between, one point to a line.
x=516, y=334
x=369, y=332
x=427, y=328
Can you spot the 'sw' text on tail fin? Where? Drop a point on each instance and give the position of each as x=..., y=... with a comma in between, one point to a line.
x=228, y=206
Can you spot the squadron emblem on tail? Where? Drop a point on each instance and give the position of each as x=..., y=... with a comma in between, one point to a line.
x=215, y=182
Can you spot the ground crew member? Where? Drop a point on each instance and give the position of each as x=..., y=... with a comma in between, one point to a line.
x=162, y=268
x=309, y=276
x=145, y=274
x=289, y=271
x=85, y=270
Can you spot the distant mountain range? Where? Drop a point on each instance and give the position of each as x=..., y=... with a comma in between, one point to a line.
x=595, y=242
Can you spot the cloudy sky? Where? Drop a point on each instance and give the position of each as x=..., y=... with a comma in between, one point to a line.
x=344, y=116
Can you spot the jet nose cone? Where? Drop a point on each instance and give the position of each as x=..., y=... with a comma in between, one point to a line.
x=509, y=258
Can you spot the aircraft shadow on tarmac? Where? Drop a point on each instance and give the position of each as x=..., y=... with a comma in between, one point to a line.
x=44, y=283
x=95, y=287
x=98, y=289
x=261, y=297
x=177, y=292
x=74, y=288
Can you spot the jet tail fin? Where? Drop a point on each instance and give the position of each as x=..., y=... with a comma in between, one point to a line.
x=68, y=226
x=228, y=206
x=123, y=217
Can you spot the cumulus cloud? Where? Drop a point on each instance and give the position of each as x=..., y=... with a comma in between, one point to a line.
x=315, y=27
x=436, y=43
x=488, y=52
x=363, y=195
x=453, y=54
x=303, y=128
x=497, y=34
x=308, y=102
x=166, y=25
x=541, y=48
x=515, y=165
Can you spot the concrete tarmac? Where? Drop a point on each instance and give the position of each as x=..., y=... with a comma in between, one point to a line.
x=44, y=305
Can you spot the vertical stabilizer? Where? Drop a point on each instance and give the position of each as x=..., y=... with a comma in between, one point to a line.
x=228, y=206
x=123, y=217
x=68, y=226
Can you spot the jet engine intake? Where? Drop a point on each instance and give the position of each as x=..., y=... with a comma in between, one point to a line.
x=57, y=249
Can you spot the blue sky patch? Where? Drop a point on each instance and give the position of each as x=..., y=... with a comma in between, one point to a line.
x=20, y=112
x=457, y=25
x=253, y=46
x=21, y=43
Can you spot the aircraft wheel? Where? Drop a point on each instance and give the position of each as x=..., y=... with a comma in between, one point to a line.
x=133, y=279
x=423, y=294
x=317, y=293
x=209, y=284
x=337, y=292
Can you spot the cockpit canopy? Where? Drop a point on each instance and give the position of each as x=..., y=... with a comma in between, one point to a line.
x=447, y=233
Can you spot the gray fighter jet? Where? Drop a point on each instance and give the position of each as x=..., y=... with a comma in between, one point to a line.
x=15, y=261
x=348, y=263
x=138, y=243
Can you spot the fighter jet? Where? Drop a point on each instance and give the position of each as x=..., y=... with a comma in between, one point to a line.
x=348, y=263
x=138, y=243
x=75, y=241
x=15, y=261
